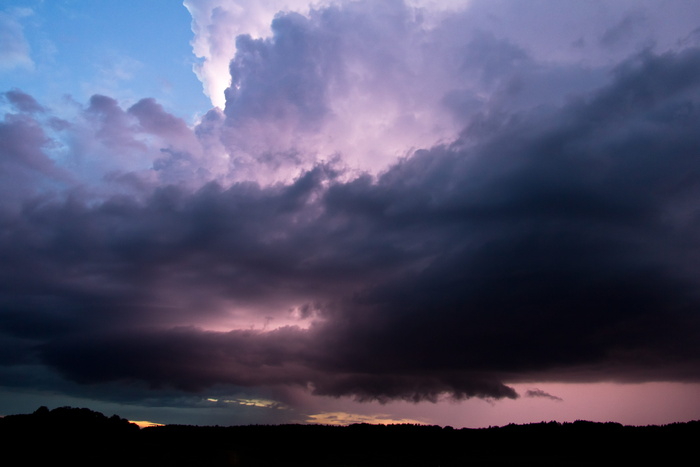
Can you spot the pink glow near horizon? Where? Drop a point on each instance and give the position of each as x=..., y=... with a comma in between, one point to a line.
x=636, y=404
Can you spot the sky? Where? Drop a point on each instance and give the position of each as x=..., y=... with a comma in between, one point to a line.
x=464, y=213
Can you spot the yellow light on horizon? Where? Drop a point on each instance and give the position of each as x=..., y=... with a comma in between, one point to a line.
x=145, y=424
x=345, y=418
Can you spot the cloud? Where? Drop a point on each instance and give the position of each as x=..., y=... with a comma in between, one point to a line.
x=25, y=167
x=547, y=239
x=623, y=30
x=364, y=80
x=541, y=393
x=22, y=102
x=372, y=82
x=14, y=48
x=351, y=79
x=216, y=23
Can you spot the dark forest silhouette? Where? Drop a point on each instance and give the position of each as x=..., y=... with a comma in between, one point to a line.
x=84, y=437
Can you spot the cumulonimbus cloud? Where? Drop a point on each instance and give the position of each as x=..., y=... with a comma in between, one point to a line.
x=554, y=242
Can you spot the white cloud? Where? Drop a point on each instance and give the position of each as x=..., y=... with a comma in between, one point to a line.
x=217, y=23
x=14, y=48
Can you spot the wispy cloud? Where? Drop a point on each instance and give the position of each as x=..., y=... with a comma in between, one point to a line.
x=541, y=393
x=14, y=48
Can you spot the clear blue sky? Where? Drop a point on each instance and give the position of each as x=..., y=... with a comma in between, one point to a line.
x=125, y=49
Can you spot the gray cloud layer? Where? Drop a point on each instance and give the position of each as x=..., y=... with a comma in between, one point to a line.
x=557, y=242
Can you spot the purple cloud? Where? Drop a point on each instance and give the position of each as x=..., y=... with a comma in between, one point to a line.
x=541, y=393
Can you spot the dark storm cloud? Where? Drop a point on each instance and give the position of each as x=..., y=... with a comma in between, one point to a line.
x=553, y=244
x=565, y=242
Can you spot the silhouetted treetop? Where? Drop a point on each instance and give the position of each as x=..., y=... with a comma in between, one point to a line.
x=81, y=436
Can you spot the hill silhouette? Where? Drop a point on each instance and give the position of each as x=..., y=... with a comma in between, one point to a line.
x=79, y=436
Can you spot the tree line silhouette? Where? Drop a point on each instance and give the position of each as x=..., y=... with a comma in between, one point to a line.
x=79, y=436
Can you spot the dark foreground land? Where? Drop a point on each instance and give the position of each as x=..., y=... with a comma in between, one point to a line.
x=82, y=437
